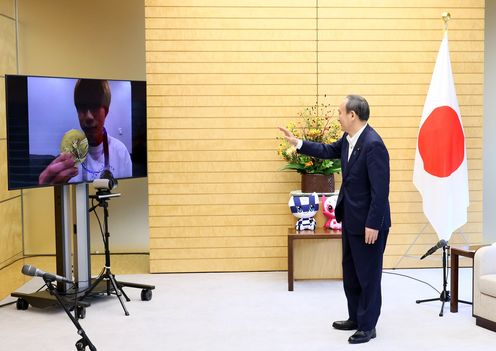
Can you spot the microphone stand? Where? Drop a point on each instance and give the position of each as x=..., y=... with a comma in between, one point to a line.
x=84, y=341
x=445, y=294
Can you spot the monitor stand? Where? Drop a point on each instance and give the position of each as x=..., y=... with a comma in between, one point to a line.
x=63, y=232
x=82, y=258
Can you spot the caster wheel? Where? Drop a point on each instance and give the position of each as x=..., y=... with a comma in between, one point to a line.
x=22, y=304
x=81, y=312
x=146, y=295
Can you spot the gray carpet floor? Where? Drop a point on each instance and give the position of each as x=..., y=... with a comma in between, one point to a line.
x=250, y=311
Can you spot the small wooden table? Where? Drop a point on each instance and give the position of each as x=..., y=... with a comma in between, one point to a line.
x=456, y=252
x=319, y=233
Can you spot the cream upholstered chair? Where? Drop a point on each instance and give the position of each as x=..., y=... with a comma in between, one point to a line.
x=485, y=287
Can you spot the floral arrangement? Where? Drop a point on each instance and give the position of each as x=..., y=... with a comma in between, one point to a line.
x=315, y=123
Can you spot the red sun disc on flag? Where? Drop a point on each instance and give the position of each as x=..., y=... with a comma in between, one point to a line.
x=441, y=143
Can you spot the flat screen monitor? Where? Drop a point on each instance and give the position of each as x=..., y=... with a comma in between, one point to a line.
x=72, y=130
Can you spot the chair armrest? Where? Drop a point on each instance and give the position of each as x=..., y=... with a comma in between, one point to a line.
x=485, y=261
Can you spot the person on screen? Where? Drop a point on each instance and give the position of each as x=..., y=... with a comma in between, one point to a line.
x=92, y=101
x=363, y=209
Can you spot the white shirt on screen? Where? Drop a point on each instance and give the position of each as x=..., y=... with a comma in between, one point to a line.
x=119, y=162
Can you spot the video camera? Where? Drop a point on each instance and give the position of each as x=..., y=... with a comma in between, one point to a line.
x=106, y=181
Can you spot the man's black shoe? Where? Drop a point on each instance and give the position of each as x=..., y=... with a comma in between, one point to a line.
x=345, y=325
x=361, y=336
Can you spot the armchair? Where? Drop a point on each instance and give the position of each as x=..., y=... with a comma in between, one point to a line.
x=485, y=287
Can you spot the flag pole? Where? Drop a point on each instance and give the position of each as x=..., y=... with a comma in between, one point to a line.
x=446, y=16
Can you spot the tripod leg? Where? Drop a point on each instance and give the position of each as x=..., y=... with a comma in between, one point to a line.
x=123, y=293
x=442, y=309
x=109, y=291
x=118, y=293
x=121, y=289
x=427, y=300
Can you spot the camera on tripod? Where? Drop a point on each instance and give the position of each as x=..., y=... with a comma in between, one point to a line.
x=106, y=182
x=104, y=185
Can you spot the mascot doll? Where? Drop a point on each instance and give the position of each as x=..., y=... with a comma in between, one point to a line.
x=304, y=208
x=328, y=206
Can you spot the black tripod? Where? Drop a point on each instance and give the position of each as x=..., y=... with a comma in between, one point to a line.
x=112, y=287
x=445, y=295
x=84, y=341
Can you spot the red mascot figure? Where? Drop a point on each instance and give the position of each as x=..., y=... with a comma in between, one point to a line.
x=328, y=205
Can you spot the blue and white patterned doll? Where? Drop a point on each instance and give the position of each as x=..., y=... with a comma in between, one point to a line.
x=304, y=208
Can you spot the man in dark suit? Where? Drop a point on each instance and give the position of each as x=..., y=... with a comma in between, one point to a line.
x=363, y=209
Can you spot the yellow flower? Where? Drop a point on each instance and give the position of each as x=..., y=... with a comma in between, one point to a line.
x=290, y=151
x=314, y=123
x=312, y=133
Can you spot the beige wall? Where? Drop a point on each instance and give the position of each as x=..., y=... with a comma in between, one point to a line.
x=489, y=203
x=10, y=201
x=88, y=38
x=92, y=39
x=222, y=74
x=83, y=39
x=59, y=38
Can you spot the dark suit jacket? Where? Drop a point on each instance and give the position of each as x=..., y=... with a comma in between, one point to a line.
x=363, y=197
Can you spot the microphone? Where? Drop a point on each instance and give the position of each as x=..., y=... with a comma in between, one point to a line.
x=32, y=271
x=441, y=243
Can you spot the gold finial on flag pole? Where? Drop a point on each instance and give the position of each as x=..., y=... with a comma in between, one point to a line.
x=446, y=17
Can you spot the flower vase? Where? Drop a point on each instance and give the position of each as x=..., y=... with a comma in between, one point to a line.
x=319, y=183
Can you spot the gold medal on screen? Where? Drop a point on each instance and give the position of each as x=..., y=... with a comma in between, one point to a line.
x=75, y=143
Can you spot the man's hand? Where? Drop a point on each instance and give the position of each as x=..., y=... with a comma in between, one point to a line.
x=59, y=170
x=289, y=136
x=370, y=235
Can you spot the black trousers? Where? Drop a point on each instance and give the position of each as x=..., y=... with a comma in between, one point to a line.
x=362, y=273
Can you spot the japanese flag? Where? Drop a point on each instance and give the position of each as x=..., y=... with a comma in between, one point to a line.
x=440, y=172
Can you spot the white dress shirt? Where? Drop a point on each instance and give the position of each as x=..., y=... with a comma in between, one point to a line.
x=352, y=140
x=299, y=145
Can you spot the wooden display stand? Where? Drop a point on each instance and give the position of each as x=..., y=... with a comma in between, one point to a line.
x=311, y=255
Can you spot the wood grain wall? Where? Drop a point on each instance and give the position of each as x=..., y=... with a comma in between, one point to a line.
x=223, y=74
x=10, y=201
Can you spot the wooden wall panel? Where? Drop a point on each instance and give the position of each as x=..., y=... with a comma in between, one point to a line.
x=10, y=201
x=7, y=45
x=7, y=8
x=2, y=109
x=387, y=53
x=223, y=74
x=11, y=229
x=5, y=194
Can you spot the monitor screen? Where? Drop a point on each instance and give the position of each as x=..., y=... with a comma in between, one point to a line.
x=71, y=130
